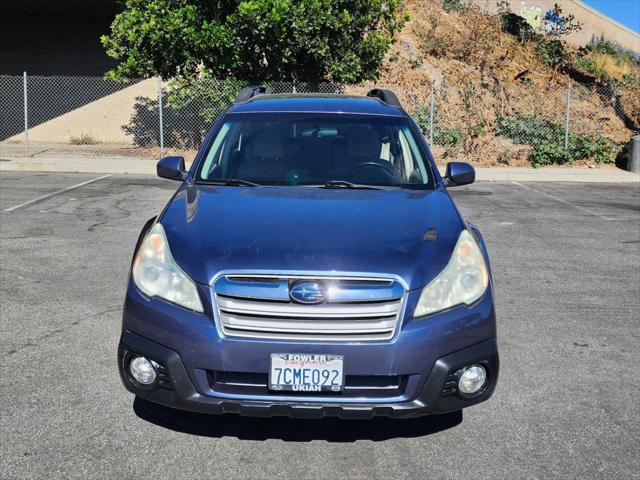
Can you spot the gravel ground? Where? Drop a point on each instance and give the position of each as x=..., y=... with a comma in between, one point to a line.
x=566, y=263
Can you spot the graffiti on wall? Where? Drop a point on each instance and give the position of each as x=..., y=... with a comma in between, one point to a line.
x=532, y=14
x=550, y=22
x=553, y=22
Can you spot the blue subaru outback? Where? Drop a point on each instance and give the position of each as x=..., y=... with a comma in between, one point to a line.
x=311, y=264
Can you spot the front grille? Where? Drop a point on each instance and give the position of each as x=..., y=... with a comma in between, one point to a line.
x=245, y=383
x=355, y=309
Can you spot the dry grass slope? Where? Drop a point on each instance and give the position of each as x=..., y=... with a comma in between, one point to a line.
x=480, y=74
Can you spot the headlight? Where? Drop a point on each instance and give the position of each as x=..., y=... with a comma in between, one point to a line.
x=464, y=279
x=156, y=274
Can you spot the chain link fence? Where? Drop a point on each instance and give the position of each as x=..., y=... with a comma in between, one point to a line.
x=146, y=118
x=91, y=116
x=44, y=112
x=514, y=126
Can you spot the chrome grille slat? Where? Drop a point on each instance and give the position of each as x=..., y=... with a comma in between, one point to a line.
x=356, y=309
x=323, y=331
x=277, y=309
x=360, y=337
x=293, y=325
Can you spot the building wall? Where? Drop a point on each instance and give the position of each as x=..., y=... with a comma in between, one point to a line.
x=55, y=37
x=53, y=45
x=594, y=23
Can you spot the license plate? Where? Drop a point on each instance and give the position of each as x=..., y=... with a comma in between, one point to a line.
x=306, y=372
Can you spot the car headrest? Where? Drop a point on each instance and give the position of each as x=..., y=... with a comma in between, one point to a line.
x=270, y=142
x=363, y=142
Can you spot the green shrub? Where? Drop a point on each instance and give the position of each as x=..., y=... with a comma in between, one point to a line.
x=602, y=149
x=611, y=64
x=630, y=80
x=514, y=24
x=416, y=61
x=587, y=64
x=446, y=137
x=431, y=43
x=449, y=138
x=607, y=47
x=518, y=27
x=84, y=139
x=547, y=139
x=548, y=154
x=477, y=130
x=434, y=46
x=422, y=117
x=454, y=5
x=504, y=157
x=553, y=53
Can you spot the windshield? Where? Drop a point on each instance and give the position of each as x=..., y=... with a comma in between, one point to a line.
x=298, y=149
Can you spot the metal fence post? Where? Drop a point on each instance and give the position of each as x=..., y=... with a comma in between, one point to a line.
x=160, y=125
x=566, y=119
x=633, y=162
x=431, y=109
x=26, y=114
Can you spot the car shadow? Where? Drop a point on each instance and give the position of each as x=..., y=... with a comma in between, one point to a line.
x=292, y=430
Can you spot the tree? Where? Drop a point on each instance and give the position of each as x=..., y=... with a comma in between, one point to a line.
x=551, y=49
x=560, y=25
x=514, y=24
x=253, y=40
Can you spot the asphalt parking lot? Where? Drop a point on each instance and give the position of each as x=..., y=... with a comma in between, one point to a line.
x=566, y=264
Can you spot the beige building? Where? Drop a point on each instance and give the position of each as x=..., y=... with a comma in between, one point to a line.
x=594, y=23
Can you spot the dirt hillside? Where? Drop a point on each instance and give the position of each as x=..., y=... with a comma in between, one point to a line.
x=480, y=75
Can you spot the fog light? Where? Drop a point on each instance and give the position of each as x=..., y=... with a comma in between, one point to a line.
x=472, y=379
x=142, y=370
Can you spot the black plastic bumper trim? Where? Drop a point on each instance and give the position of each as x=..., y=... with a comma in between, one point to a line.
x=430, y=401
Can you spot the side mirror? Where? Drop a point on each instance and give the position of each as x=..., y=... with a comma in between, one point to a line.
x=459, y=173
x=171, y=168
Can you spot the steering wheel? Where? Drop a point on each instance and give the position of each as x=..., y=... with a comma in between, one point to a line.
x=385, y=168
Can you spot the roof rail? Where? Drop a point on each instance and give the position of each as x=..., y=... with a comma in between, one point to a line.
x=247, y=93
x=387, y=96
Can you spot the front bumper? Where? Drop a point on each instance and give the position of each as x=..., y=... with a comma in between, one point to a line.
x=175, y=388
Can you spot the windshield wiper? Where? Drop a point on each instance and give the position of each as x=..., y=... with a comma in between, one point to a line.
x=345, y=184
x=231, y=182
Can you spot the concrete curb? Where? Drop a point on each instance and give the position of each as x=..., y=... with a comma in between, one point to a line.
x=118, y=165
x=557, y=174
x=114, y=165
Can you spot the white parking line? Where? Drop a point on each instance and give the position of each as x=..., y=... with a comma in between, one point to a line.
x=561, y=200
x=49, y=195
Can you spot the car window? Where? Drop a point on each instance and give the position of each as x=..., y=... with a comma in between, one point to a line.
x=290, y=149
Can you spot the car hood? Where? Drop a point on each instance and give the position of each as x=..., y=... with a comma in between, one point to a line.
x=406, y=233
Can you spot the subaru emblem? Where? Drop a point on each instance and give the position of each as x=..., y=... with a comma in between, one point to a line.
x=308, y=292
